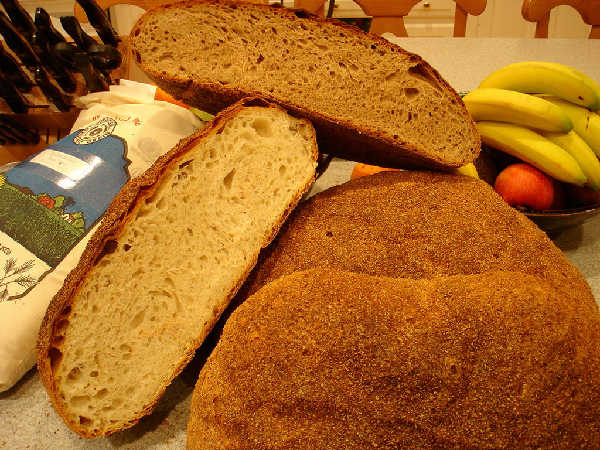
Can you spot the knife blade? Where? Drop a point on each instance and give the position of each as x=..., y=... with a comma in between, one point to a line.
x=13, y=97
x=20, y=132
x=7, y=138
x=17, y=43
x=79, y=61
x=19, y=17
x=100, y=22
x=44, y=25
x=61, y=74
x=12, y=69
x=105, y=57
x=80, y=37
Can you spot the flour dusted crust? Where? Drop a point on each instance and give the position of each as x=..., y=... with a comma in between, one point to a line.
x=337, y=136
x=115, y=220
x=330, y=359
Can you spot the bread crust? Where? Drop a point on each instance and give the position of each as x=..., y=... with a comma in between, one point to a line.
x=115, y=219
x=335, y=359
x=335, y=136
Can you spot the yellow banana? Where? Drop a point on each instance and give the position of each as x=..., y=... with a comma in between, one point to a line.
x=502, y=105
x=585, y=123
x=536, y=77
x=586, y=78
x=468, y=169
x=532, y=148
x=583, y=154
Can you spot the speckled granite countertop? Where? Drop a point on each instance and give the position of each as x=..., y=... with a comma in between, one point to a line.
x=28, y=421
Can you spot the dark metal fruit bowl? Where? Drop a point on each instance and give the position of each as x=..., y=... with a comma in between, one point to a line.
x=555, y=221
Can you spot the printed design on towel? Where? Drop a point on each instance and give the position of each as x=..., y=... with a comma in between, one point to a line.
x=49, y=202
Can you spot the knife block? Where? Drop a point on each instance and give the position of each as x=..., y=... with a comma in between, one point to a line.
x=50, y=123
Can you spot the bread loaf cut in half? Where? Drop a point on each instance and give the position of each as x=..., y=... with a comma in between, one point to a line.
x=416, y=224
x=329, y=359
x=173, y=249
x=368, y=99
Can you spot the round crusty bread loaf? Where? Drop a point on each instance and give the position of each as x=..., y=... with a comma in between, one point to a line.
x=368, y=99
x=331, y=359
x=415, y=225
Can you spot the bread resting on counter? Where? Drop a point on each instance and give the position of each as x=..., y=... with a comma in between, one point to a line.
x=330, y=359
x=405, y=310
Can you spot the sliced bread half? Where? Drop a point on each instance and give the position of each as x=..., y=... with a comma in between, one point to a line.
x=172, y=251
x=369, y=100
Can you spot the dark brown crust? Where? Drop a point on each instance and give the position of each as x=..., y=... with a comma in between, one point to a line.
x=334, y=136
x=122, y=208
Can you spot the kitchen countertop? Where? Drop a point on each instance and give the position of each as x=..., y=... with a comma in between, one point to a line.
x=28, y=421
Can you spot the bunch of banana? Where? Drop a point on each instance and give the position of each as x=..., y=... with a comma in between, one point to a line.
x=542, y=113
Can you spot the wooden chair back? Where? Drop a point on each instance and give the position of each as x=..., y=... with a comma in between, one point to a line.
x=388, y=15
x=144, y=4
x=538, y=11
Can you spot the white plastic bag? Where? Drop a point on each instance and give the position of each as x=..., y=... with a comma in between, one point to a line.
x=51, y=204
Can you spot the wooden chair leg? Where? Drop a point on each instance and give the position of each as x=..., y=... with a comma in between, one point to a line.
x=541, y=28
x=393, y=25
x=595, y=32
x=313, y=6
x=460, y=22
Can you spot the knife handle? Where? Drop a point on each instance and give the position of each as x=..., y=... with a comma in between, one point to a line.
x=62, y=75
x=17, y=43
x=80, y=37
x=44, y=25
x=100, y=22
x=11, y=68
x=19, y=17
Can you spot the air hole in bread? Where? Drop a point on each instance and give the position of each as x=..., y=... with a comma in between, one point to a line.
x=60, y=326
x=138, y=319
x=84, y=420
x=329, y=234
x=161, y=203
x=109, y=247
x=411, y=93
x=101, y=393
x=260, y=59
x=94, y=373
x=166, y=57
x=74, y=374
x=228, y=180
x=262, y=127
x=421, y=73
x=126, y=247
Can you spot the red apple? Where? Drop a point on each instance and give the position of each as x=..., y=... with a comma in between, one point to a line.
x=523, y=185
